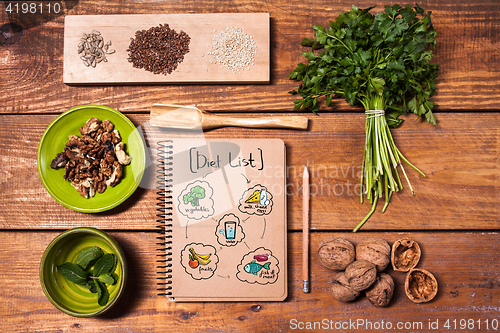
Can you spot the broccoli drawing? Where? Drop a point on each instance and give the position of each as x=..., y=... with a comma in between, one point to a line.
x=195, y=194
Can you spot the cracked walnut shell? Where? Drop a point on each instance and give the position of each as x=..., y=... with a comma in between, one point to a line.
x=381, y=291
x=336, y=253
x=420, y=285
x=376, y=251
x=341, y=290
x=405, y=254
x=361, y=274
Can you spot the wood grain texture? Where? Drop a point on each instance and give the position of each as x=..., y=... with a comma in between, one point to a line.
x=197, y=66
x=465, y=265
x=460, y=158
x=467, y=51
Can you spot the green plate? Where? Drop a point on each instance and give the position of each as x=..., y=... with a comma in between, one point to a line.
x=68, y=297
x=53, y=141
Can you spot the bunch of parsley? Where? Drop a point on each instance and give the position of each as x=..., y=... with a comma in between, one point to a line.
x=382, y=62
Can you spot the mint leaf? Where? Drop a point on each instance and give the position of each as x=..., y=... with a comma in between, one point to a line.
x=91, y=286
x=102, y=293
x=106, y=264
x=106, y=278
x=115, y=277
x=115, y=263
x=73, y=273
x=89, y=256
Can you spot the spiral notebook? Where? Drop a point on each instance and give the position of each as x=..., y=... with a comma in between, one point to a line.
x=222, y=215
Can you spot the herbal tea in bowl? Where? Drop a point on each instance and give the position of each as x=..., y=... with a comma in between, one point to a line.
x=83, y=272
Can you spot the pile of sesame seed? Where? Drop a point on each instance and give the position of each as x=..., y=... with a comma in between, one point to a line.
x=233, y=49
x=158, y=49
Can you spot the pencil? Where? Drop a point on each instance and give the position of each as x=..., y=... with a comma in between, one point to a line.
x=305, y=231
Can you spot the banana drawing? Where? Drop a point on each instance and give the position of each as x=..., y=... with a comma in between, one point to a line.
x=203, y=259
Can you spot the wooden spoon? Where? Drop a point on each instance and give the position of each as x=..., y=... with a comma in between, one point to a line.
x=190, y=117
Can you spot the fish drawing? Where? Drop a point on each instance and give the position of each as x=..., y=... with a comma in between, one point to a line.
x=254, y=268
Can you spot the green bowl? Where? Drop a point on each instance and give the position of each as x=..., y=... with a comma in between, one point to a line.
x=67, y=296
x=53, y=141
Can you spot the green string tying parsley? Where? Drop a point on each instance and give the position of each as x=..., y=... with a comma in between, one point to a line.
x=382, y=62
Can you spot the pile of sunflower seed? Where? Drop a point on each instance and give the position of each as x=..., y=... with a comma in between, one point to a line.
x=233, y=49
x=93, y=50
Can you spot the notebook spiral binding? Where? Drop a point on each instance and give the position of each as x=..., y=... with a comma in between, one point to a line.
x=164, y=216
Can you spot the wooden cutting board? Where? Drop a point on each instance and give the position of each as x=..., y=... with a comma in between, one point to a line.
x=197, y=67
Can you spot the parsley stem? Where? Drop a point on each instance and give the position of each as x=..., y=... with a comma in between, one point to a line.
x=341, y=42
x=408, y=162
x=374, y=205
x=381, y=159
x=407, y=180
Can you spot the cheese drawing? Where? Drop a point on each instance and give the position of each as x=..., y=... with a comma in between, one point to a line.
x=255, y=197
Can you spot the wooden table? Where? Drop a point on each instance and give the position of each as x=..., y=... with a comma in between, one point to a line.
x=454, y=215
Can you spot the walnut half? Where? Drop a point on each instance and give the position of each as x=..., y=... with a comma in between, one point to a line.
x=420, y=285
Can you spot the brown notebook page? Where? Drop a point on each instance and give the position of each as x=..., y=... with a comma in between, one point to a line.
x=228, y=229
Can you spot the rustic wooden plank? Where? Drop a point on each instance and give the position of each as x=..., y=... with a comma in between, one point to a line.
x=466, y=265
x=460, y=158
x=467, y=52
x=197, y=66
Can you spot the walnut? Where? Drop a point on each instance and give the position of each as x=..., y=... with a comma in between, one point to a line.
x=101, y=187
x=74, y=142
x=74, y=154
x=361, y=274
x=122, y=157
x=376, y=251
x=97, y=134
x=107, y=126
x=84, y=187
x=90, y=162
x=116, y=137
x=108, y=146
x=110, y=157
x=405, y=254
x=93, y=150
x=106, y=168
x=69, y=170
x=420, y=285
x=381, y=291
x=336, y=253
x=90, y=126
x=116, y=175
x=105, y=137
x=59, y=161
x=341, y=290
